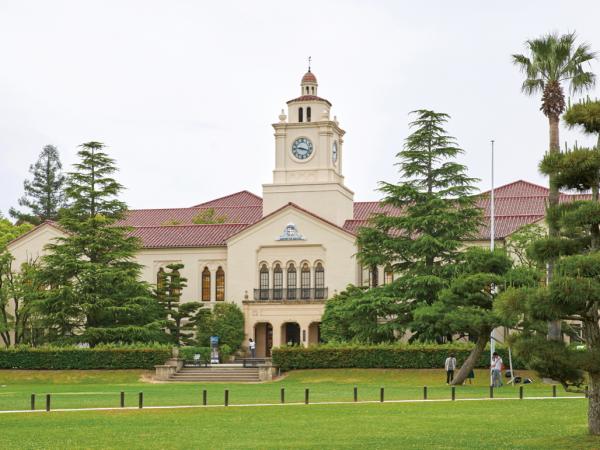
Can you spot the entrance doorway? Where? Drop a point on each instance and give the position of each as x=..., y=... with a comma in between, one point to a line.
x=263, y=334
x=290, y=333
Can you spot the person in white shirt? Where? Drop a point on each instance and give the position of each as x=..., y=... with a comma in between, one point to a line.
x=450, y=365
x=496, y=369
x=252, y=347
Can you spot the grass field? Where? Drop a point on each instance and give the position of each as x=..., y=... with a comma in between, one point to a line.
x=552, y=423
x=79, y=389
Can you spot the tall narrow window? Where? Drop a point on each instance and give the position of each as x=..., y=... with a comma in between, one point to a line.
x=220, y=284
x=388, y=276
x=305, y=281
x=308, y=114
x=160, y=279
x=319, y=282
x=277, y=283
x=206, y=285
x=292, y=280
x=300, y=115
x=264, y=282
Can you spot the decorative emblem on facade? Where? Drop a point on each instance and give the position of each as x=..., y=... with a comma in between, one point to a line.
x=291, y=233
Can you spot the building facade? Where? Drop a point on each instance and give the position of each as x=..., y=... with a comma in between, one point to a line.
x=282, y=255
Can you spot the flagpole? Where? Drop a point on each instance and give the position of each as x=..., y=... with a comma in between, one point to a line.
x=492, y=207
x=492, y=242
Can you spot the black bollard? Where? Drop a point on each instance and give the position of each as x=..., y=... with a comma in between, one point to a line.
x=424, y=392
x=122, y=399
x=226, y=397
x=204, y=397
x=355, y=394
x=381, y=395
x=520, y=392
x=141, y=400
x=553, y=390
x=47, y=402
x=33, y=402
x=492, y=391
x=282, y=395
x=306, y=395
x=453, y=392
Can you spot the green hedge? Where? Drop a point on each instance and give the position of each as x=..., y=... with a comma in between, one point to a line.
x=413, y=356
x=60, y=358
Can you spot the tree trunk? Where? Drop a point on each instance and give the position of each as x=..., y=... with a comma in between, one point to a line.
x=554, y=329
x=594, y=404
x=472, y=359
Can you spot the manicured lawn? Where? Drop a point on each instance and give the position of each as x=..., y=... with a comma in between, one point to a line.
x=78, y=389
x=543, y=424
x=559, y=423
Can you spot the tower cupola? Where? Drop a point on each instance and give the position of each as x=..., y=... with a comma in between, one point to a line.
x=309, y=84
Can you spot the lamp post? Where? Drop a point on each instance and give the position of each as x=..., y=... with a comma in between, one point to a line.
x=492, y=207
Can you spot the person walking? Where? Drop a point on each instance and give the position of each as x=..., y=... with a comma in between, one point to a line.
x=496, y=368
x=252, y=347
x=450, y=365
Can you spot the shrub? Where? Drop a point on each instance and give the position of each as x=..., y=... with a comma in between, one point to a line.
x=100, y=357
x=189, y=352
x=399, y=356
x=226, y=321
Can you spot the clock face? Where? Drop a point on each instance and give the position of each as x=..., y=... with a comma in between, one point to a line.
x=302, y=148
x=334, y=152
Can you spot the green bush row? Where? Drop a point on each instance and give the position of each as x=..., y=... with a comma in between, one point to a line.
x=106, y=357
x=413, y=356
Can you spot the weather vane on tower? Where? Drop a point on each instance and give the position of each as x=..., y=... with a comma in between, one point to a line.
x=309, y=59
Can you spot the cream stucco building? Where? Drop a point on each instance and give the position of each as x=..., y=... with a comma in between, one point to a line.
x=282, y=255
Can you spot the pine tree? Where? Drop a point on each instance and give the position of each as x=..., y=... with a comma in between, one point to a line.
x=44, y=194
x=96, y=295
x=181, y=318
x=573, y=294
x=438, y=215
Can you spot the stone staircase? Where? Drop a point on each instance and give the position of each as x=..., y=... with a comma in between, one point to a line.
x=217, y=373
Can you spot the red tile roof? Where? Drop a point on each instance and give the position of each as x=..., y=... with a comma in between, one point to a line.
x=309, y=98
x=515, y=204
x=184, y=216
x=180, y=236
x=240, y=199
x=309, y=77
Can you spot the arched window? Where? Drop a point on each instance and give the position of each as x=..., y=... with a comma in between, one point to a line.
x=319, y=282
x=220, y=282
x=277, y=282
x=264, y=282
x=305, y=281
x=308, y=113
x=300, y=115
x=160, y=279
x=388, y=275
x=312, y=89
x=292, y=283
x=206, y=285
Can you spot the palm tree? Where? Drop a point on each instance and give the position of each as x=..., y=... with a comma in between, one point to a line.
x=552, y=61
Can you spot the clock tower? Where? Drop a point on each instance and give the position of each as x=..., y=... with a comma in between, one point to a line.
x=308, y=158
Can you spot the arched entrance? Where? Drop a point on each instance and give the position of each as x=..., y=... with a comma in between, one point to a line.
x=290, y=333
x=263, y=335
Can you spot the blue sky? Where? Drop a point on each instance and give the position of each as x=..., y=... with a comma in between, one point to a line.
x=184, y=92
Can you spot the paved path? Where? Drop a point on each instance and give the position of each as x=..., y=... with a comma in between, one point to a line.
x=27, y=411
